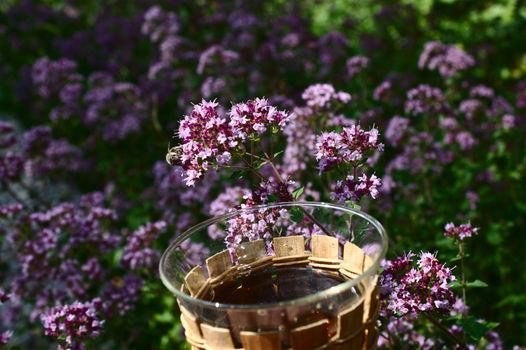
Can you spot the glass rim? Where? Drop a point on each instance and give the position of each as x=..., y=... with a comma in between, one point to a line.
x=306, y=299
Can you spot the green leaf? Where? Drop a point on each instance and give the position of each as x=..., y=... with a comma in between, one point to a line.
x=298, y=192
x=476, y=329
x=296, y=214
x=476, y=284
x=277, y=154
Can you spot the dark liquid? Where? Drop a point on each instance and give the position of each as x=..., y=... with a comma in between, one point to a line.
x=275, y=285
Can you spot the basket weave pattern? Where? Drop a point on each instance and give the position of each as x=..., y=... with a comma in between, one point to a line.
x=352, y=328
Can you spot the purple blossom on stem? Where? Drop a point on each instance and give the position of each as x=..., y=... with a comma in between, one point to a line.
x=120, y=295
x=252, y=118
x=396, y=130
x=206, y=136
x=448, y=60
x=138, y=252
x=75, y=323
x=425, y=99
x=5, y=337
x=356, y=64
x=382, y=91
x=349, y=146
x=9, y=210
x=461, y=232
x=195, y=253
x=216, y=55
x=409, y=286
x=354, y=190
x=324, y=95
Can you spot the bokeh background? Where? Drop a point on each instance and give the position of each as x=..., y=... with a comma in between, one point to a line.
x=92, y=91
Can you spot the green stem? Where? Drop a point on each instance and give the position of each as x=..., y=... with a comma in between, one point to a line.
x=454, y=339
x=462, y=273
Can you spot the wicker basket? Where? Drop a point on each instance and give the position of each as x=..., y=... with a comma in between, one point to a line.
x=352, y=327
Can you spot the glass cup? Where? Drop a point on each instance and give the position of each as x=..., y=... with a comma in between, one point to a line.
x=300, y=275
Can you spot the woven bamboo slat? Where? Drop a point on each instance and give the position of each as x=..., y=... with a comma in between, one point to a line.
x=217, y=338
x=261, y=340
x=352, y=327
x=311, y=336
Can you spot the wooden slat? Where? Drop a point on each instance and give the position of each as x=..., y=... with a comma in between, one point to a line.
x=218, y=264
x=289, y=246
x=261, y=340
x=191, y=325
x=350, y=321
x=310, y=336
x=324, y=247
x=250, y=251
x=217, y=338
x=353, y=257
x=195, y=280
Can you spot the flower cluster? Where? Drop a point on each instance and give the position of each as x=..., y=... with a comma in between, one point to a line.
x=209, y=139
x=461, y=232
x=425, y=99
x=396, y=130
x=412, y=288
x=323, y=95
x=356, y=64
x=55, y=77
x=5, y=337
x=138, y=252
x=121, y=294
x=252, y=118
x=352, y=189
x=448, y=60
x=348, y=147
x=75, y=323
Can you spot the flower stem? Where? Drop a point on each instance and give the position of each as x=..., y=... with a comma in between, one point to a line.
x=462, y=274
x=446, y=331
x=307, y=214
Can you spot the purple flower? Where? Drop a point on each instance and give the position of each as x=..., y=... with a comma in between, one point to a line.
x=120, y=295
x=205, y=136
x=5, y=337
x=323, y=95
x=425, y=99
x=252, y=118
x=470, y=107
x=8, y=211
x=508, y=121
x=473, y=199
x=482, y=91
x=356, y=64
x=465, y=140
x=355, y=189
x=448, y=60
x=194, y=253
x=11, y=166
x=382, y=91
x=159, y=24
x=396, y=130
x=138, y=252
x=409, y=286
x=461, y=232
x=349, y=146
x=216, y=55
x=50, y=76
x=74, y=323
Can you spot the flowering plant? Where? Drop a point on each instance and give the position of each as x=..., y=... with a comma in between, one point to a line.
x=414, y=111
